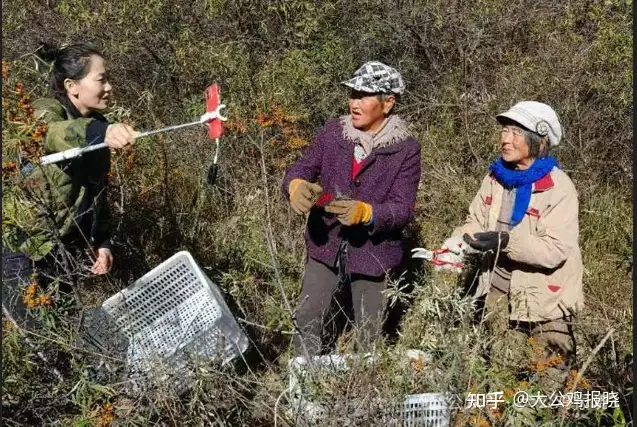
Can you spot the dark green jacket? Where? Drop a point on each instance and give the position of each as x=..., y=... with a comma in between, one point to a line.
x=63, y=202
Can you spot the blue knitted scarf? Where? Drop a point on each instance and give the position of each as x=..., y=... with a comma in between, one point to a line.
x=522, y=181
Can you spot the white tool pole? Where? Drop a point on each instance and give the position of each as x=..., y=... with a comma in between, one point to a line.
x=79, y=151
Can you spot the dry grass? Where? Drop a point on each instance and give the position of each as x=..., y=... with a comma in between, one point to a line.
x=279, y=64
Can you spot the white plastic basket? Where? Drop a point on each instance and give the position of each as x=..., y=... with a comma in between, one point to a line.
x=426, y=409
x=417, y=410
x=174, y=312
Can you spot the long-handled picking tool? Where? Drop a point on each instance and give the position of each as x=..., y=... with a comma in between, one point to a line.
x=213, y=118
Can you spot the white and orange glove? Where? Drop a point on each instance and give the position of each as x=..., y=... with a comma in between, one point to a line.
x=350, y=212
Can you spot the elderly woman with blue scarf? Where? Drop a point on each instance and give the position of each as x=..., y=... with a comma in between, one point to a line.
x=524, y=220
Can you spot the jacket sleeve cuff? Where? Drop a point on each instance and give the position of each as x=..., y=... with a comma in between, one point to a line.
x=513, y=247
x=102, y=239
x=285, y=187
x=383, y=218
x=370, y=223
x=96, y=132
x=104, y=244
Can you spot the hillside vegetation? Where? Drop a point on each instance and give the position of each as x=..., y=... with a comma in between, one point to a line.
x=279, y=65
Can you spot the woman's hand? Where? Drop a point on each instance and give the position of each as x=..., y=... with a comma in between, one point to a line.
x=103, y=263
x=119, y=135
x=456, y=245
x=488, y=241
x=350, y=212
x=303, y=194
x=443, y=259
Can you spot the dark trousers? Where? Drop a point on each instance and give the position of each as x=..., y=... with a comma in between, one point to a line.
x=18, y=270
x=322, y=303
x=549, y=346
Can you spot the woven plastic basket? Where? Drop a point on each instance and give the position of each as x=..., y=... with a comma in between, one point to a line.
x=427, y=409
x=416, y=410
x=174, y=313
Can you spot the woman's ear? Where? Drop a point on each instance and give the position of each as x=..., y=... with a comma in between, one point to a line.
x=71, y=87
x=389, y=103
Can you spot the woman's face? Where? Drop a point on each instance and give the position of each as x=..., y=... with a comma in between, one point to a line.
x=367, y=111
x=513, y=146
x=92, y=92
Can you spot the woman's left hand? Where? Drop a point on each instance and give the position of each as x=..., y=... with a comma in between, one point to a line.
x=103, y=263
x=488, y=241
x=350, y=212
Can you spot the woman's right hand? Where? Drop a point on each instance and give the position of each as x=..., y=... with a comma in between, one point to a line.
x=303, y=195
x=119, y=135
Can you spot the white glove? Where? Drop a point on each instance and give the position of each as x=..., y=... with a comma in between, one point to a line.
x=457, y=248
x=450, y=260
x=457, y=245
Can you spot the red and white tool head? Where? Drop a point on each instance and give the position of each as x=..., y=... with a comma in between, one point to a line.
x=213, y=96
x=215, y=128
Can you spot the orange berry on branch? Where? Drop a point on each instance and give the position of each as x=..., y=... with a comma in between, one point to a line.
x=45, y=300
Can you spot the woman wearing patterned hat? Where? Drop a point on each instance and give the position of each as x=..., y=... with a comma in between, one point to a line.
x=357, y=182
x=524, y=220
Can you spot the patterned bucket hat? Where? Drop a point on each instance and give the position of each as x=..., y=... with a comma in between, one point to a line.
x=376, y=77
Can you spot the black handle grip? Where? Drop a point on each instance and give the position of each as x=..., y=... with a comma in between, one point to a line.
x=212, y=174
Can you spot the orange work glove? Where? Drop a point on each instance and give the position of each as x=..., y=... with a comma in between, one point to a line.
x=303, y=195
x=350, y=212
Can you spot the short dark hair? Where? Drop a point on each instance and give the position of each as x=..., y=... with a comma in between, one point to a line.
x=533, y=140
x=68, y=62
x=382, y=97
